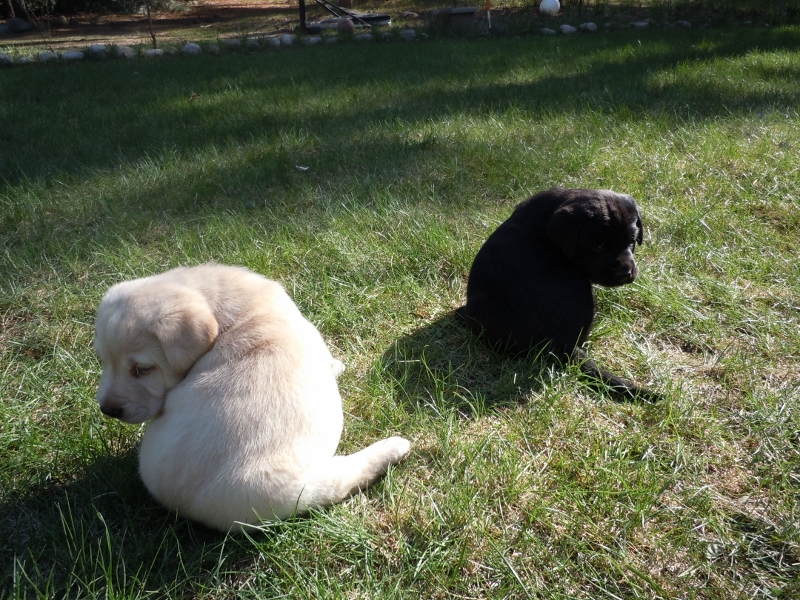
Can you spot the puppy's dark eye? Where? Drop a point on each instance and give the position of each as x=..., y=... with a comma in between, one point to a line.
x=599, y=247
x=141, y=370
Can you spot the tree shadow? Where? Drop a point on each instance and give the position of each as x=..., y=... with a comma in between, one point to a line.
x=229, y=134
x=147, y=107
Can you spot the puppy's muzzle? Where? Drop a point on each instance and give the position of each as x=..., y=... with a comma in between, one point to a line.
x=112, y=411
x=626, y=274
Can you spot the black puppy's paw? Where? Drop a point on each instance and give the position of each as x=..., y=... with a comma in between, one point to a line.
x=619, y=388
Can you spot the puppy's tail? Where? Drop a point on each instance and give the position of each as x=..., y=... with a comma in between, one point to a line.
x=344, y=476
x=620, y=388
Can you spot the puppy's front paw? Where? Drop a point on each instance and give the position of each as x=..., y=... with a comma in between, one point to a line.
x=337, y=367
x=395, y=448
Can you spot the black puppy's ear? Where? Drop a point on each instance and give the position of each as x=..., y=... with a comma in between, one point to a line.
x=562, y=230
x=639, y=230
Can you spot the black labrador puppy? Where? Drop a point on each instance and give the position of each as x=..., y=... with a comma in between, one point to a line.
x=530, y=286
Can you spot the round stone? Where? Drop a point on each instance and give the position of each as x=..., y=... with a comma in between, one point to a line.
x=17, y=25
x=126, y=52
x=72, y=55
x=345, y=26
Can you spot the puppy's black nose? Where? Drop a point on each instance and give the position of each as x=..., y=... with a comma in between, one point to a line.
x=626, y=273
x=112, y=411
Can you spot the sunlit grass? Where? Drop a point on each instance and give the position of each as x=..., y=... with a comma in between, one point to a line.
x=365, y=181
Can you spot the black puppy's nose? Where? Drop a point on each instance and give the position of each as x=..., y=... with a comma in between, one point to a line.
x=624, y=272
x=112, y=411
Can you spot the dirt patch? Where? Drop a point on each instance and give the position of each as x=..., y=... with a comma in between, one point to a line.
x=210, y=20
x=197, y=21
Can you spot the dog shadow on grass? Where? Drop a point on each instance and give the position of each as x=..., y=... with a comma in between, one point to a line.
x=444, y=366
x=101, y=531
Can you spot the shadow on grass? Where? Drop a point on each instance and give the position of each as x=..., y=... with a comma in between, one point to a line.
x=121, y=113
x=767, y=547
x=125, y=147
x=443, y=367
x=103, y=533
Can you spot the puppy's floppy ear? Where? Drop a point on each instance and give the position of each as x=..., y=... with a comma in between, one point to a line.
x=639, y=229
x=187, y=331
x=563, y=229
x=629, y=204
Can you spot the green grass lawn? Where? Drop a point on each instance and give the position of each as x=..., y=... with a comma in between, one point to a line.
x=522, y=483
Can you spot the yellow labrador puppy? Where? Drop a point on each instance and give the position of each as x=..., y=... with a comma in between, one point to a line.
x=241, y=394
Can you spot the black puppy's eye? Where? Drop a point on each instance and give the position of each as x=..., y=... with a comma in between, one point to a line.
x=599, y=247
x=141, y=370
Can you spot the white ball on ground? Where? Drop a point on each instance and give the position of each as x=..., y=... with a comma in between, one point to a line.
x=549, y=7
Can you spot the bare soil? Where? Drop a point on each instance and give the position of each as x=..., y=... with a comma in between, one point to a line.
x=198, y=20
x=209, y=20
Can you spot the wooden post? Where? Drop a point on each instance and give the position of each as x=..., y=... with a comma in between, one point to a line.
x=303, y=16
